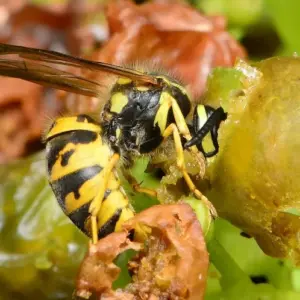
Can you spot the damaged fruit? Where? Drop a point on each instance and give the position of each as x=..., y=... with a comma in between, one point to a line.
x=171, y=262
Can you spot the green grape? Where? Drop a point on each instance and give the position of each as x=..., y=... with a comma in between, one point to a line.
x=255, y=177
x=203, y=216
x=237, y=260
x=286, y=20
x=240, y=14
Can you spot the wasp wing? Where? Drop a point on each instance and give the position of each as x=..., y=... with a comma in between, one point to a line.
x=53, y=57
x=49, y=76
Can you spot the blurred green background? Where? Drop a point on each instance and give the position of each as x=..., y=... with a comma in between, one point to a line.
x=265, y=27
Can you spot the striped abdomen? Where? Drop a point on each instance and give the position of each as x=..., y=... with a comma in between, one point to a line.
x=76, y=157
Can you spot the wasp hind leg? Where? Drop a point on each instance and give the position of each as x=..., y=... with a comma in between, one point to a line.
x=178, y=129
x=97, y=201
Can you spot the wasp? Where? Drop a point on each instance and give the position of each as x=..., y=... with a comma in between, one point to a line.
x=83, y=153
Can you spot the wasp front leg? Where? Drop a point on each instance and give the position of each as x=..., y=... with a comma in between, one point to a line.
x=181, y=129
x=95, y=205
x=181, y=124
x=172, y=129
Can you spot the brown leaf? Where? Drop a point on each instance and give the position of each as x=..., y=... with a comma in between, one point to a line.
x=174, y=36
x=180, y=226
x=172, y=264
x=21, y=116
x=97, y=271
x=165, y=16
x=23, y=111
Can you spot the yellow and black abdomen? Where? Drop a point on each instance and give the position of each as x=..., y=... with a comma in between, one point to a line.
x=76, y=157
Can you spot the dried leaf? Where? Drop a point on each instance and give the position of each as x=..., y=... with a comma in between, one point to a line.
x=180, y=226
x=98, y=272
x=172, y=36
x=173, y=262
x=23, y=111
x=21, y=116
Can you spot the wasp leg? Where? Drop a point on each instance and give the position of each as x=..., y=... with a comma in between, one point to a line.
x=147, y=191
x=181, y=128
x=137, y=186
x=172, y=129
x=97, y=201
